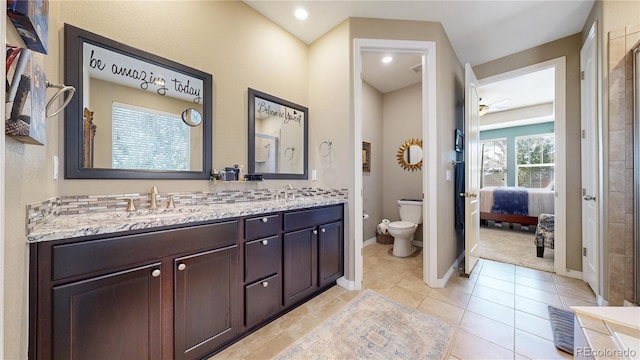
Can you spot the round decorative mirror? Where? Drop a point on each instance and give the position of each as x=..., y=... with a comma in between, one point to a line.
x=410, y=155
x=192, y=117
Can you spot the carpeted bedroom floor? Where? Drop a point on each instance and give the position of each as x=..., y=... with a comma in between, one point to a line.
x=513, y=247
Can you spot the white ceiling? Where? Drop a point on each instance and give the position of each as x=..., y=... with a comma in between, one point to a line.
x=479, y=31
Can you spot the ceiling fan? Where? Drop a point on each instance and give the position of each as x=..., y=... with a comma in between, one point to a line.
x=484, y=108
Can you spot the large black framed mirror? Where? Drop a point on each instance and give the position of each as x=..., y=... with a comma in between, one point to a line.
x=278, y=137
x=133, y=116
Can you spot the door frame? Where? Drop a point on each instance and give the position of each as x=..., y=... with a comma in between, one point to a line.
x=3, y=37
x=560, y=206
x=429, y=171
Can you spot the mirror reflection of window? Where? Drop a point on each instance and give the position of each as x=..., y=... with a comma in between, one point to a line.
x=147, y=139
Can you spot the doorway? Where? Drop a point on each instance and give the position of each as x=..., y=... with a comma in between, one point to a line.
x=426, y=52
x=558, y=188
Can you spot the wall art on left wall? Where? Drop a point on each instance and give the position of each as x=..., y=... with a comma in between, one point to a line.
x=26, y=96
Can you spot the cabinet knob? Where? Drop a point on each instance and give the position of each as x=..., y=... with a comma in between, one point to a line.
x=323, y=230
x=265, y=242
x=264, y=220
x=182, y=266
x=155, y=273
x=265, y=284
x=315, y=232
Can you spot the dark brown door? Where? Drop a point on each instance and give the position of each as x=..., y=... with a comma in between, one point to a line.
x=206, y=301
x=330, y=249
x=116, y=316
x=300, y=264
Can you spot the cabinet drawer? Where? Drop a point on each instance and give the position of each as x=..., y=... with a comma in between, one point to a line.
x=262, y=300
x=261, y=258
x=99, y=255
x=262, y=226
x=306, y=218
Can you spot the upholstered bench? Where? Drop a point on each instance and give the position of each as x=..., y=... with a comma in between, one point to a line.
x=544, y=233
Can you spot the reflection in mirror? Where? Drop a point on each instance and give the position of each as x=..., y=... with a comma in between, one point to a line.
x=192, y=117
x=277, y=137
x=138, y=126
x=410, y=155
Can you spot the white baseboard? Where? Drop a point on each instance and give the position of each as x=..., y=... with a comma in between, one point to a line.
x=573, y=274
x=601, y=301
x=347, y=284
x=440, y=283
x=369, y=242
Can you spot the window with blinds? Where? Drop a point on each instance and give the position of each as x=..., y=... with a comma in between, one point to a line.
x=149, y=139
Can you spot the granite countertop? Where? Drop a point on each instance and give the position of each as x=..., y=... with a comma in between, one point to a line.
x=78, y=225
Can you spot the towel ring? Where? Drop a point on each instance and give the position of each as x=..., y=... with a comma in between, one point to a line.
x=327, y=148
x=293, y=150
x=63, y=89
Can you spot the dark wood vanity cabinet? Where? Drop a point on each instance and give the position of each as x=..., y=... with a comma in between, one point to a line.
x=114, y=316
x=206, y=301
x=169, y=294
x=262, y=263
x=180, y=293
x=313, y=248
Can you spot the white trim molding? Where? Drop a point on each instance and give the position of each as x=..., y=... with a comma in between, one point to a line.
x=429, y=124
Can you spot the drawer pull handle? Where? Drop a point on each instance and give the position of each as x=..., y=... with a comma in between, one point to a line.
x=265, y=242
x=182, y=266
x=264, y=220
x=265, y=284
x=155, y=273
x=315, y=232
x=323, y=230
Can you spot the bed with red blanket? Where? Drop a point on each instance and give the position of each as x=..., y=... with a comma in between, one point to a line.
x=515, y=204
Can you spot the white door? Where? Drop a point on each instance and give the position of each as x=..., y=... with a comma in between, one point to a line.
x=589, y=161
x=471, y=169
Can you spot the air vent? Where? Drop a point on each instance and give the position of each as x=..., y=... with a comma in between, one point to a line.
x=416, y=68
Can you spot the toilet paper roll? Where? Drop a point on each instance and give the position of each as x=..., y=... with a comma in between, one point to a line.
x=383, y=226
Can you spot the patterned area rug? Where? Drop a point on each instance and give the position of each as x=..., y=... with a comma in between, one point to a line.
x=372, y=326
x=513, y=247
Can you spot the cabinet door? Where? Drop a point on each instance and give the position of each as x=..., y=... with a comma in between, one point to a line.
x=330, y=250
x=300, y=264
x=116, y=316
x=206, y=301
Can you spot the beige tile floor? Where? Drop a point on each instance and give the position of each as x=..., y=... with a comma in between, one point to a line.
x=500, y=312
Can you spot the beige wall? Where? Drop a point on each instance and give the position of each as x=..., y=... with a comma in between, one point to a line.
x=372, y=182
x=229, y=40
x=570, y=48
x=450, y=90
x=402, y=121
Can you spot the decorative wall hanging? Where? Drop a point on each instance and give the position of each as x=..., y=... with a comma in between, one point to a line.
x=31, y=19
x=366, y=156
x=26, y=97
x=410, y=155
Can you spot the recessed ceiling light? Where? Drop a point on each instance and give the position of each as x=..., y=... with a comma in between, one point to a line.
x=301, y=13
x=387, y=59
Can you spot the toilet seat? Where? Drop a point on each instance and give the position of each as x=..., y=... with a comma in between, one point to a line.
x=399, y=225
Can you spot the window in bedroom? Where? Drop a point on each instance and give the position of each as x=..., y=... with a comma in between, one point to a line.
x=535, y=160
x=149, y=139
x=494, y=162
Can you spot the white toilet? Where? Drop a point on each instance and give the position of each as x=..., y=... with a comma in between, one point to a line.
x=404, y=230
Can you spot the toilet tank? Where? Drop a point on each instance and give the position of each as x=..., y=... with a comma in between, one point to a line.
x=410, y=210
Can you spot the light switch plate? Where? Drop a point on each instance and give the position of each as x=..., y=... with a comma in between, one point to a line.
x=55, y=167
x=314, y=175
x=448, y=175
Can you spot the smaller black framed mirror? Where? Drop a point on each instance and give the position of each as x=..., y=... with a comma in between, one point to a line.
x=278, y=137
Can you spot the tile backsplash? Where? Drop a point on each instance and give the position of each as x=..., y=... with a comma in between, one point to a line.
x=40, y=213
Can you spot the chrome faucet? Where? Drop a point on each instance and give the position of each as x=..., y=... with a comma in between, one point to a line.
x=288, y=189
x=152, y=195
